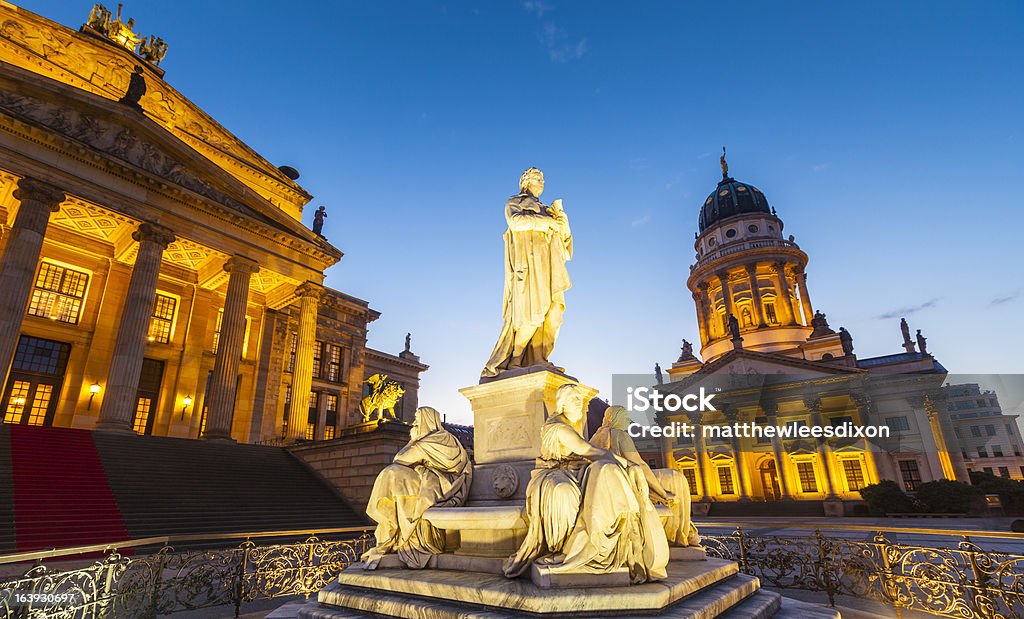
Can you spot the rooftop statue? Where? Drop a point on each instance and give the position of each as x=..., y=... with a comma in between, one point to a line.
x=588, y=509
x=538, y=243
x=136, y=89
x=432, y=470
x=318, y=220
x=153, y=49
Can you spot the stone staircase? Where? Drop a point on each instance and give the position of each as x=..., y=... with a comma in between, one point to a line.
x=76, y=487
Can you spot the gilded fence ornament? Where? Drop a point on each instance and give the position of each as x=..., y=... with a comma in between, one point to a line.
x=384, y=395
x=432, y=470
x=588, y=510
x=538, y=243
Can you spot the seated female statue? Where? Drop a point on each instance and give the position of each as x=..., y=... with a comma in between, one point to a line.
x=588, y=509
x=668, y=486
x=431, y=470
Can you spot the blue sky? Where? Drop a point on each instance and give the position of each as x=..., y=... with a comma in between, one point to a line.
x=887, y=135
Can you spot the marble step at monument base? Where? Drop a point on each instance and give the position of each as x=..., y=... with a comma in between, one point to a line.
x=693, y=590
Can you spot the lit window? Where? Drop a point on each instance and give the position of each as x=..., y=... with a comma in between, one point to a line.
x=292, y=347
x=142, y=409
x=769, y=313
x=59, y=293
x=16, y=401
x=162, y=322
x=311, y=420
x=318, y=355
x=808, y=482
x=911, y=474
x=332, y=415
x=691, y=479
x=897, y=424
x=334, y=364
x=854, y=475
x=725, y=480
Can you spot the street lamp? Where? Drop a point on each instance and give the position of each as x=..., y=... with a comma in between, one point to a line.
x=93, y=390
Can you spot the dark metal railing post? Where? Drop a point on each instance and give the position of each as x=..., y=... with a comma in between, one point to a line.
x=981, y=598
x=744, y=567
x=823, y=567
x=243, y=565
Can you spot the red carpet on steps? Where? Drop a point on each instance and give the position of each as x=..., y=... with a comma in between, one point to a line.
x=61, y=494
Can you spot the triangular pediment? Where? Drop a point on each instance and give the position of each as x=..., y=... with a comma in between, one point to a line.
x=81, y=122
x=88, y=63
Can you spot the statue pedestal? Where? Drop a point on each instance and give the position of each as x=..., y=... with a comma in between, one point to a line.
x=508, y=413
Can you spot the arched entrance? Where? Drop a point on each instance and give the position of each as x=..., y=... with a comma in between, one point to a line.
x=770, y=480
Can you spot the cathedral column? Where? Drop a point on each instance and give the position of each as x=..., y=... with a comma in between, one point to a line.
x=771, y=410
x=785, y=296
x=733, y=416
x=723, y=276
x=20, y=257
x=224, y=381
x=805, y=297
x=702, y=320
x=755, y=293
x=822, y=446
x=302, y=375
x=698, y=452
x=130, y=346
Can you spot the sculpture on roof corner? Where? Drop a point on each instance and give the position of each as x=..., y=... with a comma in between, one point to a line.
x=538, y=243
x=318, y=220
x=384, y=395
x=151, y=49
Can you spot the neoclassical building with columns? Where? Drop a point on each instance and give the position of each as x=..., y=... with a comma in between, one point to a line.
x=156, y=274
x=771, y=358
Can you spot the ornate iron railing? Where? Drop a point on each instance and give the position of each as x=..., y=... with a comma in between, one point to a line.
x=168, y=581
x=966, y=582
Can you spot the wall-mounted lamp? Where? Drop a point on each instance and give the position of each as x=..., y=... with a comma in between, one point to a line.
x=93, y=390
x=187, y=401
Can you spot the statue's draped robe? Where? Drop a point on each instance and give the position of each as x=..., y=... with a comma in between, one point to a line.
x=433, y=470
x=589, y=517
x=613, y=435
x=535, y=283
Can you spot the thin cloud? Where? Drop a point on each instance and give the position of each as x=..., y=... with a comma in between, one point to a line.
x=560, y=46
x=1006, y=299
x=537, y=7
x=646, y=219
x=819, y=167
x=912, y=309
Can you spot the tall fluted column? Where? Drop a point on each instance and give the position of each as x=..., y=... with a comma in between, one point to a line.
x=723, y=276
x=822, y=446
x=302, y=374
x=224, y=381
x=130, y=346
x=698, y=452
x=771, y=410
x=785, y=296
x=755, y=294
x=805, y=297
x=733, y=416
x=21, y=255
x=702, y=319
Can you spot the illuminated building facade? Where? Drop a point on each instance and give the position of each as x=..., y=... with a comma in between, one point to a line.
x=156, y=274
x=776, y=361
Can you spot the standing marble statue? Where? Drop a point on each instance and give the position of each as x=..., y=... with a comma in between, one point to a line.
x=538, y=243
x=431, y=470
x=588, y=510
x=667, y=486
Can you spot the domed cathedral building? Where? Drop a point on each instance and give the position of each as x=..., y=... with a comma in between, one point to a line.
x=156, y=275
x=772, y=359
